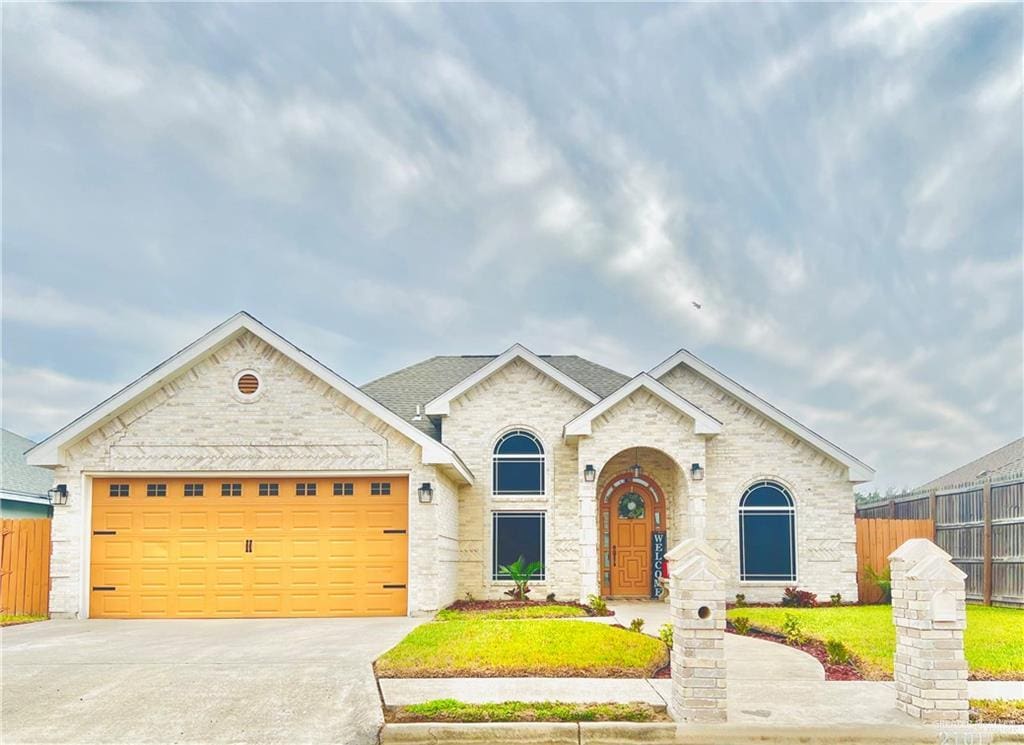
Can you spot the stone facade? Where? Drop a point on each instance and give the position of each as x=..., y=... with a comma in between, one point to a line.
x=751, y=448
x=930, y=614
x=518, y=396
x=300, y=424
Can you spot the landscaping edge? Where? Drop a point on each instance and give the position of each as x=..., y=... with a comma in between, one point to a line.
x=625, y=733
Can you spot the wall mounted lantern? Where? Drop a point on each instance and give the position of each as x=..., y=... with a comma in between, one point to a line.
x=696, y=472
x=426, y=493
x=637, y=469
x=589, y=473
x=58, y=494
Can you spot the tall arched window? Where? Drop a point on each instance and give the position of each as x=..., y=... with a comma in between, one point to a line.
x=767, y=534
x=518, y=464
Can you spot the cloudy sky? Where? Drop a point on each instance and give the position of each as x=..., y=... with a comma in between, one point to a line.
x=839, y=187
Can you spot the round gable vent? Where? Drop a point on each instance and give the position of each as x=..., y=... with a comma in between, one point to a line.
x=248, y=386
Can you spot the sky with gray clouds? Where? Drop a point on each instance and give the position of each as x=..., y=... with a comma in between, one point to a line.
x=839, y=187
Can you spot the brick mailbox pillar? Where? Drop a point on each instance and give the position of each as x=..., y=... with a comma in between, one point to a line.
x=697, y=585
x=928, y=608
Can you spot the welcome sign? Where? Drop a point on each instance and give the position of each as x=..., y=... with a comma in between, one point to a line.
x=658, y=542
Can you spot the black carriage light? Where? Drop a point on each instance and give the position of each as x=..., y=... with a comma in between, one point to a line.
x=637, y=469
x=696, y=472
x=426, y=493
x=589, y=473
x=58, y=494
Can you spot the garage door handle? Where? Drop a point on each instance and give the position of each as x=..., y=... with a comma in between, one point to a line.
x=104, y=532
x=103, y=589
x=395, y=531
x=248, y=546
x=394, y=587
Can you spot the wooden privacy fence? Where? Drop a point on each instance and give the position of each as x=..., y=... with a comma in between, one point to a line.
x=25, y=567
x=876, y=539
x=980, y=525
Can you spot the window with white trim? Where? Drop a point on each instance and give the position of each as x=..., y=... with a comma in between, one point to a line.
x=517, y=535
x=518, y=464
x=767, y=534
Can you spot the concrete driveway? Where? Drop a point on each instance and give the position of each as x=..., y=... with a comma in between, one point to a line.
x=252, y=680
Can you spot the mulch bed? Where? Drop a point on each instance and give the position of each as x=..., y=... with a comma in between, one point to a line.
x=482, y=605
x=812, y=647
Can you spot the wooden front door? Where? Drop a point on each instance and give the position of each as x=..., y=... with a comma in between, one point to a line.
x=631, y=511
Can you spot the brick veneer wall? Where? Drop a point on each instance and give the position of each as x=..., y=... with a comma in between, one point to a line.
x=299, y=423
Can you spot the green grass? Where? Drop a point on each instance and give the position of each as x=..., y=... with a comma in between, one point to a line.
x=542, y=648
x=997, y=711
x=525, y=611
x=9, y=620
x=993, y=641
x=450, y=710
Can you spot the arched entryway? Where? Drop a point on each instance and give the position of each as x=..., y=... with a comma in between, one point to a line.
x=633, y=539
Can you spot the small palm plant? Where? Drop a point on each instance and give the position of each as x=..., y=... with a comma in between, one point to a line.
x=520, y=573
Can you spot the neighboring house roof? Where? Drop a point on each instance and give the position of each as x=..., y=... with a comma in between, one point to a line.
x=441, y=404
x=704, y=423
x=48, y=451
x=402, y=391
x=859, y=471
x=1005, y=461
x=20, y=481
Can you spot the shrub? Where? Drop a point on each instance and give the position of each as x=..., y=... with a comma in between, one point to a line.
x=551, y=597
x=882, y=580
x=836, y=600
x=741, y=625
x=637, y=625
x=520, y=573
x=793, y=630
x=665, y=634
x=794, y=598
x=597, y=603
x=741, y=600
x=836, y=652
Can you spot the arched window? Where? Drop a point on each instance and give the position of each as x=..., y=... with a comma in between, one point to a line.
x=518, y=464
x=767, y=534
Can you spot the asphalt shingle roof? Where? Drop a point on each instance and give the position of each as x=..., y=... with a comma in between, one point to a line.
x=1007, y=460
x=424, y=381
x=18, y=476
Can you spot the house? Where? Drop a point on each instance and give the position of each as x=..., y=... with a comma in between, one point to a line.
x=1001, y=463
x=242, y=477
x=22, y=487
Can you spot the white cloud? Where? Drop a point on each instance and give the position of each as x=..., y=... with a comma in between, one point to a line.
x=38, y=401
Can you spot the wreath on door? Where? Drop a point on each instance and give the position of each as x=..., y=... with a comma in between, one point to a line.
x=631, y=506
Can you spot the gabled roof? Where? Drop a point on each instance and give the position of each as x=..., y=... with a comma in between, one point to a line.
x=19, y=479
x=48, y=452
x=403, y=390
x=1005, y=461
x=440, y=405
x=704, y=423
x=859, y=471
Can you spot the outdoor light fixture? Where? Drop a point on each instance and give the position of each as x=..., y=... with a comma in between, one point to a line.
x=637, y=469
x=58, y=494
x=589, y=473
x=696, y=472
x=426, y=493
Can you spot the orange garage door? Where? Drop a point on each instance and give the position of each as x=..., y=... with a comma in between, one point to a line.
x=271, y=547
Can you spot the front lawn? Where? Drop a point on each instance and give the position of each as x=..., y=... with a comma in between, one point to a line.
x=539, y=610
x=450, y=710
x=9, y=620
x=514, y=648
x=993, y=641
x=997, y=711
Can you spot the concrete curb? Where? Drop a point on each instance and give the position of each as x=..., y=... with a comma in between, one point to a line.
x=627, y=733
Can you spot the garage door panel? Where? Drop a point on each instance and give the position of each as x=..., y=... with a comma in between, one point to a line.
x=209, y=555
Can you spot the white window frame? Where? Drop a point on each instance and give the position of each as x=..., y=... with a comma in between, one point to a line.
x=542, y=514
x=542, y=457
x=790, y=511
